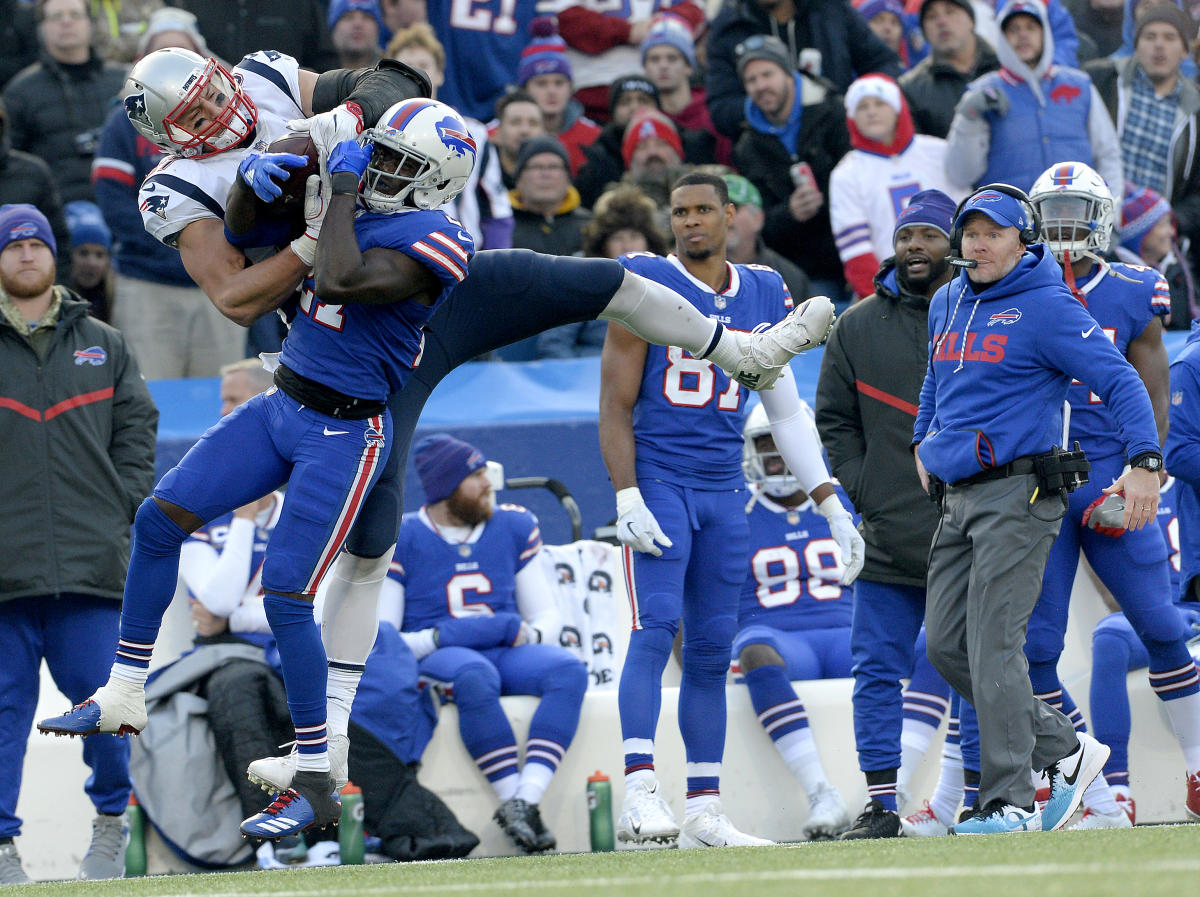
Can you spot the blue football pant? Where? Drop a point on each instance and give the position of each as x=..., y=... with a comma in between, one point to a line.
x=806, y=653
x=476, y=680
x=509, y=294
x=699, y=579
x=75, y=635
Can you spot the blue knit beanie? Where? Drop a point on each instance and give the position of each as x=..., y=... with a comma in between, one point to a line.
x=931, y=208
x=86, y=224
x=443, y=462
x=21, y=221
x=546, y=54
x=671, y=31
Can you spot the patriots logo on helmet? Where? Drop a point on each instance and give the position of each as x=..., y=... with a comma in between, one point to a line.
x=1007, y=317
x=155, y=204
x=459, y=142
x=135, y=108
x=92, y=355
x=373, y=437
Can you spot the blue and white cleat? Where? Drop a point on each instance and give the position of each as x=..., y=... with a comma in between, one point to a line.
x=999, y=817
x=1069, y=778
x=310, y=802
x=118, y=708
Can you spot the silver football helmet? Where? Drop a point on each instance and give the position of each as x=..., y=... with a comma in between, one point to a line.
x=423, y=156
x=1076, y=208
x=164, y=84
x=767, y=469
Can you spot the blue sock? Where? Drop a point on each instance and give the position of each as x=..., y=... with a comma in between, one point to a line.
x=779, y=709
x=302, y=657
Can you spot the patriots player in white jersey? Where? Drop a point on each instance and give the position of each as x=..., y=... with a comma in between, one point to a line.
x=671, y=436
x=794, y=616
x=473, y=606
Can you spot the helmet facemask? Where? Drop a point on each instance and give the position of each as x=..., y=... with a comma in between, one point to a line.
x=1075, y=224
x=233, y=124
x=764, y=466
x=395, y=172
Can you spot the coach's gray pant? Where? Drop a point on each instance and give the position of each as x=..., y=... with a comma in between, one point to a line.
x=985, y=574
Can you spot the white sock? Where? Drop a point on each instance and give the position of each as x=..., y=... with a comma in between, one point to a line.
x=1098, y=798
x=659, y=315
x=1184, y=714
x=799, y=752
x=124, y=673
x=313, y=762
x=534, y=780
x=340, y=688
x=948, y=794
x=350, y=617
x=915, y=739
x=506, y=787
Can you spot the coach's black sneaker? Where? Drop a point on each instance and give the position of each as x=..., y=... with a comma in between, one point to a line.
x=875, y=821
x=522, y=821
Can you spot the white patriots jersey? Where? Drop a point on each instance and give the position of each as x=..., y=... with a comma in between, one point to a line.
x=179, y=191
x=867, y=192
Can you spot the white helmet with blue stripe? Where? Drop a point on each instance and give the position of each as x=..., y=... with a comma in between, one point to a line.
x=423, y=156
x=1077, y=210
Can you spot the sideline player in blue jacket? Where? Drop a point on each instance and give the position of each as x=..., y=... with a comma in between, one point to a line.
x=1006, y=337
x=473, y=609
x=671, y=437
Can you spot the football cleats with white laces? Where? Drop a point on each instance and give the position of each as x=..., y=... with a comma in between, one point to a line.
x=1076, y=207
x=423, y=155
x=161, y=91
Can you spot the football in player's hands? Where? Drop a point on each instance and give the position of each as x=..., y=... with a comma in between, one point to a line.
x=292, y=200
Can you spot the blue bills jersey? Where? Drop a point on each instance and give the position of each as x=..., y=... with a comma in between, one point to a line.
x=687, y=422
x=452, y=579
x=1168, y=522
x=793, y=582
x=370, y=351
x=1122, y=309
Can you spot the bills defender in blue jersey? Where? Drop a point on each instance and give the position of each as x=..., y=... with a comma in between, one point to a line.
x=671, y=437
x=793, y=617
x=473, y=608
x=1127, y=303
x=324, y=429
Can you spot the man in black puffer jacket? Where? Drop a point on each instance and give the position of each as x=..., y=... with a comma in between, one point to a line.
x=24, y=178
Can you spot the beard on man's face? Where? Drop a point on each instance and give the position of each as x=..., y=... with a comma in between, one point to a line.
x=919, y=284
x=471, y=511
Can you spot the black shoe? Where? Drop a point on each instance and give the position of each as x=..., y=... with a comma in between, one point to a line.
x=874, y=822
x=967, y=812
x=522, y=822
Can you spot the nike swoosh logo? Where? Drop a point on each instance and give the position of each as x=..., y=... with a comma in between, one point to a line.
x=1088, y=332
x=636, y=828
x=329, y=432
x=1070, y=779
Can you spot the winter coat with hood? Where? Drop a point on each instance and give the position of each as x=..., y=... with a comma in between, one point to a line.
x=1054, y=114
x=871, y=185
x=1129, y=31
x=1114, y=82
x=847, y=46
x=871, y=375
x=764, y=158
x=1001, y=360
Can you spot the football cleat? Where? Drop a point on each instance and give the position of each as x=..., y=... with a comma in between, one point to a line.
x=310, y=802
x=522, y=821
x=828, y=815
x=11, y=872
x=118, y=708
x=1069, y=777
x=1193, y=796
x=646, y=817
x=999, y=817
x=923, y=824
x=1128, y=805
x=875, y=821
x=105, y=857
x=1091, y=820
x=274, y=774
x=712, y=828
x=766, y=353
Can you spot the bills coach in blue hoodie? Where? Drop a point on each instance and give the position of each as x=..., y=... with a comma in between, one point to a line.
x=1006, y=338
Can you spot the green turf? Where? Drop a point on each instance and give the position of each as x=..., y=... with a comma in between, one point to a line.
x=1143, y=862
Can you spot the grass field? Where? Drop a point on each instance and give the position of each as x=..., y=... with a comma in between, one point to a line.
x=1143, y=862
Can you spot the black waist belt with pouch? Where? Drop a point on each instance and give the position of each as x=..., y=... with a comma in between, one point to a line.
x=1019, y=467
x=323, y=399
x=1058, y=470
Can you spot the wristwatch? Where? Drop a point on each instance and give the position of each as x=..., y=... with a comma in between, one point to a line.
x=1151, y=461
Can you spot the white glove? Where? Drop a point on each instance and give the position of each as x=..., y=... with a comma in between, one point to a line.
x=850, y=544
x=315, y=206
x=530, y=635
x=328, y=129
x=636, y=526
x=422, y=643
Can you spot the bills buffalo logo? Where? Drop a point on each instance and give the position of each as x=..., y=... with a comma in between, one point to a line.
x=1007, y=317
x=1065, y=93
x=156, y=205
x=92, y=355
x=23, y=230
x=135, y=108
x=373, y=437
x=458, y=142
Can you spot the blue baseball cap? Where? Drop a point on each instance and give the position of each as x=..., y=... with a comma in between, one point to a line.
x=1005, y=210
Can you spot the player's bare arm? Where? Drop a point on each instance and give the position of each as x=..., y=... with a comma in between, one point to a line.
x=1148, y=355
x=622, y=362
x=241, y=292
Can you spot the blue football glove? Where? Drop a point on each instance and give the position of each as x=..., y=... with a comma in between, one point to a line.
x=259, y=169
x=350, y=156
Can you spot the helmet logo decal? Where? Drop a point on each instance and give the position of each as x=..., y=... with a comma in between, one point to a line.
x=457, y=141
x=135, y=108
